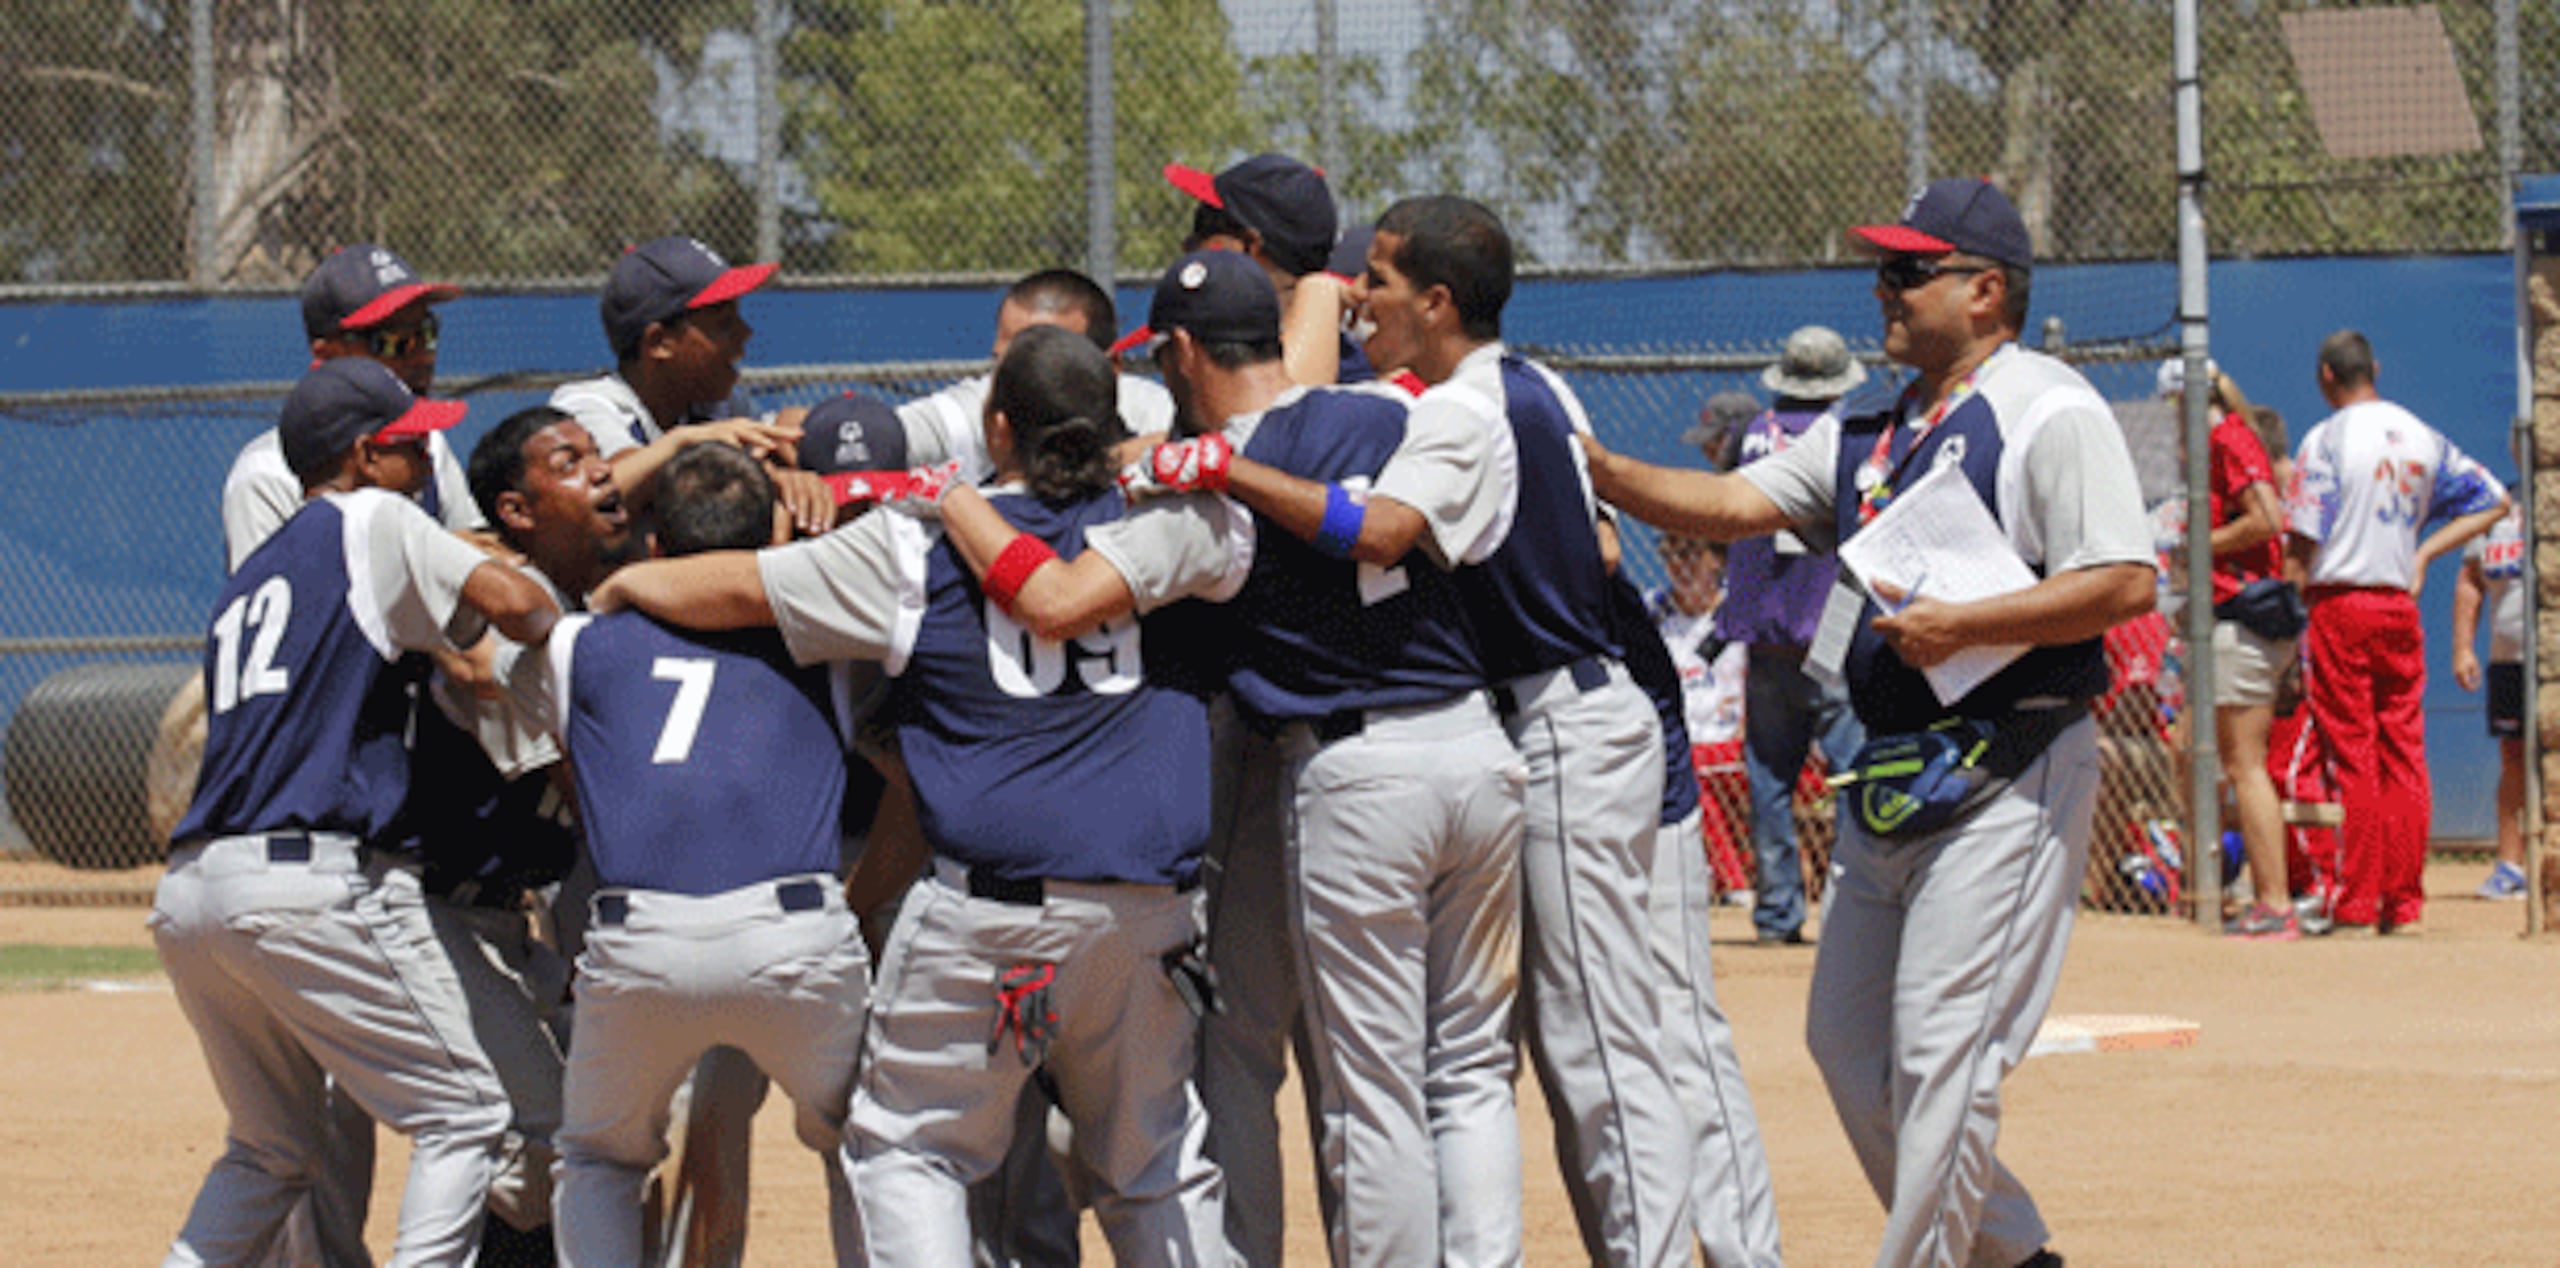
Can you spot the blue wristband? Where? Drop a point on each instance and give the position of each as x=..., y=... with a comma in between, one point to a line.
x=1343, y=514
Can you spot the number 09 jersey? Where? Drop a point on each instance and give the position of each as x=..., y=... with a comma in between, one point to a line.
x=308, y=680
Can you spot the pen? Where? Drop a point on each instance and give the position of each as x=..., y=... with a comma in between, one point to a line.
x=1909, y=593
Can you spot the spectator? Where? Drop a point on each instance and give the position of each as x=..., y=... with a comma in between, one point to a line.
x=1776, y=588
x=1719, y=426
x=2491, y=567
x=2372, y=476
x=1712, y=671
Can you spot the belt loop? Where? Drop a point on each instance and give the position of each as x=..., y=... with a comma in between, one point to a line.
x=800, y=895
x=612, y=909
x=1589, y=673
x=288, y=847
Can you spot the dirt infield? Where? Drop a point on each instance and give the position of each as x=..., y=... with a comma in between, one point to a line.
x=2388, y=1101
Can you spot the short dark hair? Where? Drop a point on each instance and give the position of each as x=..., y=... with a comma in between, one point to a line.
x=2348, y=357
x=2019, y=282
x=1445, y=240
x=1062, y=399
x=2269, y=425
x=1065, y=290
x=713, y=497
x=1208, y=222
x=497, y=462
x=1228, y=354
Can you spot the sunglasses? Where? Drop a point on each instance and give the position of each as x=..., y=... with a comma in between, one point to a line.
x=1910, y=272
x=393, y=345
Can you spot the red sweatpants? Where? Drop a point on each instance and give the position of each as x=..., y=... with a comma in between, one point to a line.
x=2365, y=699
x=1724, y=804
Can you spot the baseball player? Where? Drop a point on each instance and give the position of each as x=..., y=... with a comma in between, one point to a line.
x=1064, y=790
x=950, y=424
x=2492, y=567
x=1278, y=211
x=2375, y=483
x=682, y=742
x=1349, y=645
x=292, y=937
x=362, y=301
x=671, y=317
x=1941, y=944
x=1439, y=274
x=1731, y=1205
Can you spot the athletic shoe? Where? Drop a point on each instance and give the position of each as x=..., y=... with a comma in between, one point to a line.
x=1775, y=938
x=2506, y=881
x=1740, y=898
x=2312, y=916
x=2044, y=1258
x=2264, y=924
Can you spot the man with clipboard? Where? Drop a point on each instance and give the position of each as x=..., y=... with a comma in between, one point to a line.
x=1945, y=932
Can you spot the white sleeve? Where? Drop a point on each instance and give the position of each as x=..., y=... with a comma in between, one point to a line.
x=2083, y=504
x=1802, y=477
x=258, y=496
x=1145, y=407
x=2315, y=486
x=606, y=419
x=857, y=593
x=537, y=678
x=1459, y=469
x=1196, y=545
x=948, y=425
x=453, y=488
x=405, y=575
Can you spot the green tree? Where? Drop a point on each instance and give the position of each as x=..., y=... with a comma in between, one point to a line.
x=92, y=143
x=950, y=136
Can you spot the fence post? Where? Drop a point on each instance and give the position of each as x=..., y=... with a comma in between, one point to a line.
x=1328, y=90
x=1102, y=240
x=2204, y=764
x=768, y=69
x=200, y=123
x=1915, y=93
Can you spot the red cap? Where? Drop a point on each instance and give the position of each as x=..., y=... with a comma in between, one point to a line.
x=1134, y=339
x=732, y=284
x=1197, y=183
x=423, y=417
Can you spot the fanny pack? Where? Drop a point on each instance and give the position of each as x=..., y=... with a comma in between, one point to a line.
x=1915, y=782
x=2268, y=607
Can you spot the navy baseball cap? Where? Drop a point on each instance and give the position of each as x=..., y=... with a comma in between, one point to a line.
x=852, y=433
x=1350, y=256
x=1956, y=214
x=345, y=399
x=657, y=281
x=360, y=285
x=1219, y=296
x=1276, y=196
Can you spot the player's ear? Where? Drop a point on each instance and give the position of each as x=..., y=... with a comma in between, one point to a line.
x=515, y=511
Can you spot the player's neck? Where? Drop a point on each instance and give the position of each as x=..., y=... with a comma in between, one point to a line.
x=1441, y=357
x=1939, y=384
x=665, y=401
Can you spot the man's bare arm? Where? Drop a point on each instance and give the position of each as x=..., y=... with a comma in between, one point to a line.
x=1063, y=598
x=1721, y=507
x=715, y=590
x=515, y=603
x=2068, y=607
x=1388, y=531
x=2260, y=519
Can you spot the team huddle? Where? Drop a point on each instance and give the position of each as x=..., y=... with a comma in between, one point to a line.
x=1017, y=776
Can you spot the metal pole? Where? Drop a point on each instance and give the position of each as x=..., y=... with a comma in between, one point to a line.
x=1328, y=90
x=768, y=36
x=2527, y=461
x=1102, y=242
x=1915, y=93
x=2204, y=758
x=200, y=124
x=2510, y=80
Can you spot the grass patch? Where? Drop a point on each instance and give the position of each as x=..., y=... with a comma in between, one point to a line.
x=26, y=967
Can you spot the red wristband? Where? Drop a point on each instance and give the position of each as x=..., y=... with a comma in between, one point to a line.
x=1013, y=567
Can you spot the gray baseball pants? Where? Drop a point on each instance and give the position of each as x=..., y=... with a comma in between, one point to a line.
x=1939, y=956
x=298, y=955
x=1403, y=855
x=665, y=977
x=1592, y=990
x=512, y=985
x=937, y=1103
x=1730, y=1200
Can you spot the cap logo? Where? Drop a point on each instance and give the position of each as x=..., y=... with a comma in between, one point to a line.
x=709, y=254
x=1913, y=205
x=1193, y=276
x=387, y=269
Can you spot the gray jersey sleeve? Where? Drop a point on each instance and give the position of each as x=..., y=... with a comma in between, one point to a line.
x=1802, y=479
x=2082, y=502
x=454, y=503
x=258, y=496
x=857, y=593
x=949, y=424
x=1145, y=407
x=1195, y=545
x=612, y=417
x=536, y=678
x=405, y=575
x=1460, y=472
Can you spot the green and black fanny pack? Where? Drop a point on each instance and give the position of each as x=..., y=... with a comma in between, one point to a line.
x=1915, y=782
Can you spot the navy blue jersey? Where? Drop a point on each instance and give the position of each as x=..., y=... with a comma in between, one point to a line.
x=308, y=698
x=1541, y=602
x=1035, y=759
x=1649, y=663
x=1313, y=634
x=704, y=761
x=1889, y=694
x=470, y=823
x=1355, y=367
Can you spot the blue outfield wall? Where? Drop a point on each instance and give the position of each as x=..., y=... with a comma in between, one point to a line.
x=108, y=522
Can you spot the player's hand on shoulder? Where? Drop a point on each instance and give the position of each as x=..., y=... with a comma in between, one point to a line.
x=807, y=498
x=771, y=442
x=1196, y=465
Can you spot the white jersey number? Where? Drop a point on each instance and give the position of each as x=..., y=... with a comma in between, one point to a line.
x=684, y=717
x=264, y=611
x=1026, y=666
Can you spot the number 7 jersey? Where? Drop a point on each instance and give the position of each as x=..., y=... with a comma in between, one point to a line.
x=309, y=685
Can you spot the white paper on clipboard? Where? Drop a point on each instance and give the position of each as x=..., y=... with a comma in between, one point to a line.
x=1938, y=540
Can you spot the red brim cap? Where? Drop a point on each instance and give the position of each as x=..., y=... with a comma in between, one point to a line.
x=1137, y=338
x=397, y=298
x=1901, y=240
x=424, y=417
x=732, y=284
x=1197, y=183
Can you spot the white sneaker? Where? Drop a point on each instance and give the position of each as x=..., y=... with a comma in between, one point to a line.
x=2506, y=881
x=1740, y=898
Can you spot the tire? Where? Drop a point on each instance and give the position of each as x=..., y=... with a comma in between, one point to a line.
x=100, y=761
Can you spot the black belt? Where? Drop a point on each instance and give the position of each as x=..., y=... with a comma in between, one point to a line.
x=1589, y=674
x=613, y=909
x=1033, y=891
x=1341, y=724
x=288, y=847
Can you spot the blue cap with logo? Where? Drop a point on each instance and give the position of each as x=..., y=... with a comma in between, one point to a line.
x=1956, y=214
x=658, y=281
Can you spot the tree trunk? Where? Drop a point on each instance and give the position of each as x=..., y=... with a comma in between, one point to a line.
x=278, y=110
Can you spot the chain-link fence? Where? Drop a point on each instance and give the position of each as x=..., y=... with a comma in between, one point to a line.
x=202, y=153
